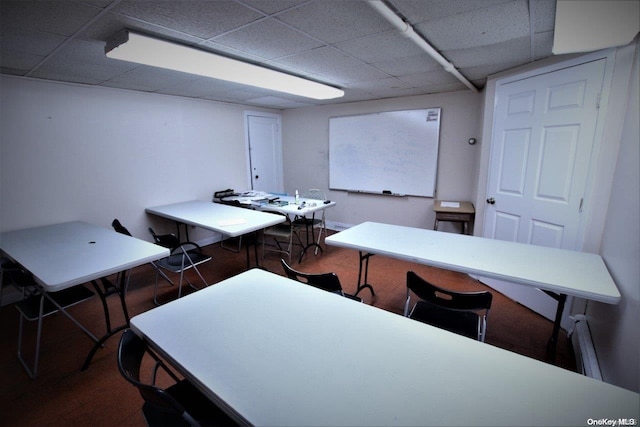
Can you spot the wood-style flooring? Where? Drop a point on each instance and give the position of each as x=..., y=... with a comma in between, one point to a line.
x=99, y=396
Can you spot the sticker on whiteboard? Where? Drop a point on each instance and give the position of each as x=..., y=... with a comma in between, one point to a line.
x=432, y=115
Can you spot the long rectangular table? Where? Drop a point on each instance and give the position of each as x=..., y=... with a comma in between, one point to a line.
x=271, y=351
x=63, y=256
x=558, y=272
x=287, y=205
x=227, y=220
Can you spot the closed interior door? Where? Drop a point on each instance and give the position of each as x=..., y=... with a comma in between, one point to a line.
x=264, y=144
x=543, y=139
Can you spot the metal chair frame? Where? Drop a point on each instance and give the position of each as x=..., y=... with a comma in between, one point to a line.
x=457, y=304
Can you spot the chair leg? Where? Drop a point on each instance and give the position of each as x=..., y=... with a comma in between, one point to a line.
x=322, y=228
x=279, y=245
x=155, y=288
x=159, y=271
x=195, y=268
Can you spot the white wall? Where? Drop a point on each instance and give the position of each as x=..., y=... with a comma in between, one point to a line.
x=615, y=328
x=306, y=158
x=71, y=152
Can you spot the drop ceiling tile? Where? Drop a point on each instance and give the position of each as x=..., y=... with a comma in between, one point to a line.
x=28, y=41
x=82, y=73
x=320, y=60
x=381, y=93
x=231, y=52
x=380, y=47
x=478, y=28
x=381, y=84
x=517, y=50
x=17, y=63
x=428, y=78
x=99, y=3
x=543, y=45
x=202, y=19
x=421, y=10
x=336, y=21
x=544, y=15
x=111, y=24
x=481, y=72
x=408, y=65
x=342, y=43
x=448, y=87
x=268, y=39
x=349, y=76
x=148, y=79
x=84, y=61
x=56, y=17
x=272, y=6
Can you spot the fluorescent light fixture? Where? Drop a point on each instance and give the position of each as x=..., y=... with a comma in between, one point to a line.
x=134, y=47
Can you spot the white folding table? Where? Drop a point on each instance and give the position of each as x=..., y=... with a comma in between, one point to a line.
x=303, y=208
x=63, y=256
x=272, y=351
x=557, y=272
x=227, y=220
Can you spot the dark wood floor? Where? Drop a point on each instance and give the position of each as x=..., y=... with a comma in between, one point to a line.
x=99, y=396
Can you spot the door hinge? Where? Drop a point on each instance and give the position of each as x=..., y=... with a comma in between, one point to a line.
x=581, y=203
x=598, y=101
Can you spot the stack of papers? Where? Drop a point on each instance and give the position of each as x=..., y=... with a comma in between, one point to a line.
x=450, y=204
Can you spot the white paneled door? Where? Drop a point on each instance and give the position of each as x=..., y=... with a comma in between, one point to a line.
x=543, y=140
x=264, y=145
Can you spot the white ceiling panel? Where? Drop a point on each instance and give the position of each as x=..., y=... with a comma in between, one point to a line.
x=322, y=60
x=407, y=65
x=508, y=52
x=339, y=21
x=417, y=10
x=388, y=45
x=203, y=19
x=270, y=38
x=478, y=27
x=343, y=43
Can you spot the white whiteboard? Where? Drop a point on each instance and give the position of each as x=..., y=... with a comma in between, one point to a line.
x=392, y=152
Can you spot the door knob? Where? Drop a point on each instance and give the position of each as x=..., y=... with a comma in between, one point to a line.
x=491, y=200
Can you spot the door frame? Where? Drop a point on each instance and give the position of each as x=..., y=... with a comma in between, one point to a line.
x=603, y=157
x=280, y=173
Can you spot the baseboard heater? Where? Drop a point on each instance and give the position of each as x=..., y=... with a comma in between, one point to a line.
x=586, y=358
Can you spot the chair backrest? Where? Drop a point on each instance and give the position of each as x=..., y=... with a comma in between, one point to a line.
x=459, y=312
x=12, y=273
x=313, y=193
x=325, y=281
x=119, y=227
x=131, y=352
x=461, y=301
x=167, y=240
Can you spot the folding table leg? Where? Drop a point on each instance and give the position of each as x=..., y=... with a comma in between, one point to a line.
x=32, y=373
x=121, y=289
x=553, y=340
x=364, y=259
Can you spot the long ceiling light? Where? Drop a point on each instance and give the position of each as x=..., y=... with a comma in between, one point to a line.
x=134, y=47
